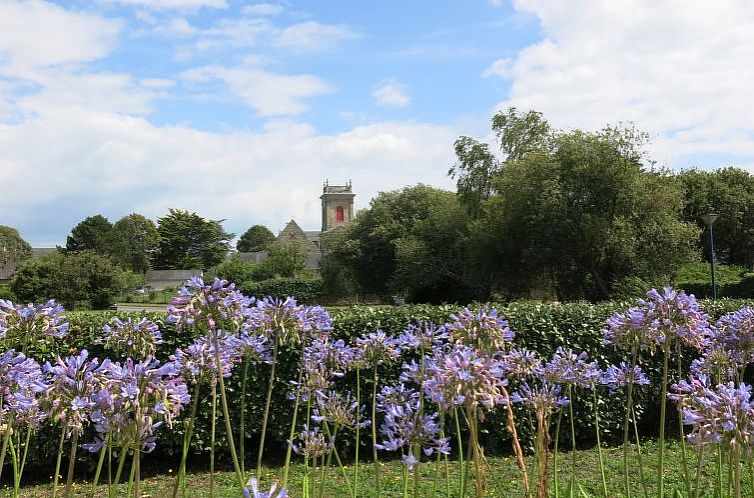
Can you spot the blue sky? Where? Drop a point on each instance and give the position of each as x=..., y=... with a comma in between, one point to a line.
x=239, y=110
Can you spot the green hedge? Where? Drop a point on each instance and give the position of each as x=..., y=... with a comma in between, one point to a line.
x=306, y=290
x=540, y=327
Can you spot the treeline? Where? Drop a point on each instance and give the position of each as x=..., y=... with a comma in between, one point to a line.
x=563, y=215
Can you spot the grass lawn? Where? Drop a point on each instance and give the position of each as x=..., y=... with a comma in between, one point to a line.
x=504, y=478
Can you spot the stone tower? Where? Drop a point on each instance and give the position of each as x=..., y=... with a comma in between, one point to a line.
x=337, y=205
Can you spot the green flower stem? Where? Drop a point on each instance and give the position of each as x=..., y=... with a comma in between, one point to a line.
x=599, y=443
x=720, y=470
x=4, y=450
x=750, y=466
x=686, y=478
x=131, y=475
x=242, y=421
x=137, y=465
x=357, y=438
x=212, y=441
x=100, y=462
x=333, y=449
x=627, y=425
x=292, y=433
x=305, y=483
x=121, y=461
x=23, y=458
x=737, y=467
x=699, y=463
x=266, y=416
x=14, y=464
x=404, y=473
x=462, y=468
x=663, y=405
x=556, y=483
x=71, y=465
x=572, y=483
x=180, y=479
x=374, y=434
x=226, y=414
x=638, y=453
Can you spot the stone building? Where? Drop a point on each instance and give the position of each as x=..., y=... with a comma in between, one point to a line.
x=337, y=211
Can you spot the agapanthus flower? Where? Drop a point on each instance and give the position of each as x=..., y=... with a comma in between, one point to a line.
x=617, y=377
x=724, y=413
x=483, y=329
x=567, y=367
x=338, y=409
x=21, y=324
x=465, y=376
x=310, y=443
x=396, y=395
x=22, y=383
x=287, y=322
x=405, y=426
x=197, y=362
x=322, y=361
x=145, y=395
x=217, y=305
x=543, y=398
x=521, y=364
x=136, y=339
x=734, y=333
x=657, y=320
x=253, y=347
x=424, y=336
x=251, y=490
x=72, y=385
x=718, y=363
x=376, y=348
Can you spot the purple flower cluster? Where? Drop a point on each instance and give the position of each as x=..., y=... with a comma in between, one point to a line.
x=338, y=410
x=287, y=322
x=22, y=384
x=658, y=320
x=24, y=324
x=464, y=376
x=544, y=398
x=251, y=490
x=310, y=443
x=133, y=339
x=484, y=329
x=567, y=367
x=617, y=377
x=197, y=362
x=376, y=348
x=734, y=334
x=218, y=305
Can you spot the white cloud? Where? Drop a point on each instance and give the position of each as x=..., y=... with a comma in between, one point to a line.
x=263, y=9
x=109, y=164
x=678, y=69
x=390, y=93
x=500, y=68
x=175, y=4
x=312, y=36
x=36, y=34
x=270, y=94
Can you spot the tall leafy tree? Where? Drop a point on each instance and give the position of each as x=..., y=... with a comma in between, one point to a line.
x=257, y=238
x=188, y=241
x=582, y=216
x=12, y=246
x=729, y=192
x=95, y=233
x=135, y=241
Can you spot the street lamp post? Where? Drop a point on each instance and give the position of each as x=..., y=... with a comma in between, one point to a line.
x=710, y=220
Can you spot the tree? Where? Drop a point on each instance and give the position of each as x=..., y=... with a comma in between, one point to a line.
x=136, y=241
x=188, y=241
x=257, y=238
x=95, y=233
x=582, y=216
x=518, y=134
x=281, y=262
x=728, y=192
x=79, y=280
x=12, y=246
x=408, y=242
x=233, y=270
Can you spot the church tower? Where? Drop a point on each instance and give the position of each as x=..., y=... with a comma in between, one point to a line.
x=337, y=205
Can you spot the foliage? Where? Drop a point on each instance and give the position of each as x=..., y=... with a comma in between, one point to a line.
x=95, y=233
x=12, y=246
x=409, y=242
x=233, y=269
x=581, y=217
x=306, y=290
x=257, y=238
x=728, y=192
x=135, y=241
x=188, y=241
x=282, y=262
x=80, y=280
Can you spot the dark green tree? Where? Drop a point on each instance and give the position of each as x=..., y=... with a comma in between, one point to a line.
x=285, y=261
x=233, y=270
x=257, y=238
x=135, y=241
x=581, y=217
x=79, y=280
x=95, y=233
x=188, y=241
x=728, y=192
x=12, y=246
x=408, y=242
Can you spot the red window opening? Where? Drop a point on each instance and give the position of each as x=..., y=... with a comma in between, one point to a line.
x=339, y=213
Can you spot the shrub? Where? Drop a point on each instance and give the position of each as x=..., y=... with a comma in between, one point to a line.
x=304, y=290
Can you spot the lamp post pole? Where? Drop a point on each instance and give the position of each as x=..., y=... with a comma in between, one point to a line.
x=710, y=220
